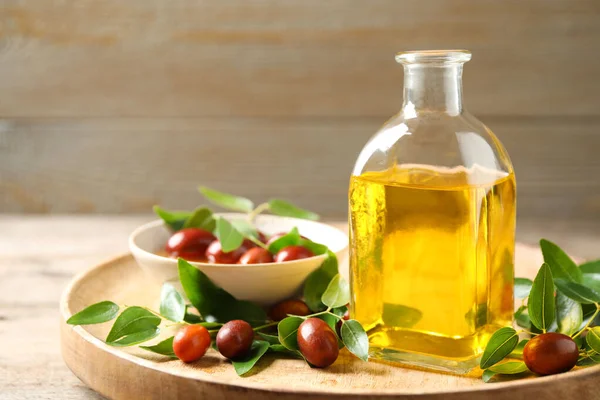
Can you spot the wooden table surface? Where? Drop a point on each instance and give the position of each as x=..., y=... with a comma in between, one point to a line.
x=40, y=254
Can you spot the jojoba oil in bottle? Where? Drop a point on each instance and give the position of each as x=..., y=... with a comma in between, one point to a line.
x=432, y=223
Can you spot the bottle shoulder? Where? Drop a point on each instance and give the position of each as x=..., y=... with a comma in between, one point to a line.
x=437, y=140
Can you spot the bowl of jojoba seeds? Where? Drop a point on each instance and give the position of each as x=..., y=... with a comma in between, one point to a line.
x=254, y=256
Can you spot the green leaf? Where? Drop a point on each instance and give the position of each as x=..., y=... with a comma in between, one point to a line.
x=577, y=292
x=287, y=209
x=331, y=320
x=212, y=302
x=202, y=218
x=190, y=316
x=288, y=332
x=355, y=338
x=244, y=310
x=501, y=344
x=202, y=293
x=522, y=287
x=281, y=349
x=518, y=351
x=591, y=275
x=509, y=368
x=172, y=305
x=173, y=219
x=487, y=375
x=590, y=267
x=541, y=299
x=228, y=201
x=228, y=235
x=568, y=313
x=316, y=248
x=340, y=311
x=133, y=320
x=245, y=228
x=593, y=338
x=562, y=266
x=272, y=339
x=337, y=293
x=165, y=348
x=136, y=338
x=258, y=349
x=292, y=238
x=95, y=314
x=318, y=281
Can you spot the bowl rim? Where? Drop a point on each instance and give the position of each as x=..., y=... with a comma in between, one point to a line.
x=160, y=223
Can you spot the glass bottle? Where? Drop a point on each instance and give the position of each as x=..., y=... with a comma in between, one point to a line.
x=432, y=225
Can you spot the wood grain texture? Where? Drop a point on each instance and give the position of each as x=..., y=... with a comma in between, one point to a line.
x=92, y=58
x=127, y=165
x=125, y=373
x=40, y=254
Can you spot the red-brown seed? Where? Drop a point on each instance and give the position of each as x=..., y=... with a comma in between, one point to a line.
x=256, y=255
x=216, y=255
x=291, y=253
x=189, y=244
x=550, y=353
x=235, y=339
x=293, y=307
x=317, y=342
x=262, y=237
x=191, y=342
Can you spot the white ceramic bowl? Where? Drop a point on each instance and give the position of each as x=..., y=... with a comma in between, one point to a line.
x=260, y=283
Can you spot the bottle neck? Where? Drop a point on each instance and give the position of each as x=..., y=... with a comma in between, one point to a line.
x=435, y=88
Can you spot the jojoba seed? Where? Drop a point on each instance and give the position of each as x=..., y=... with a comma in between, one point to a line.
x=189, y=244
x=191, y=342
x=216, y=255
x=235, y=339
x=293, y=307
x=317, y=342
x=291, y=253
x=262, y=237
x=550, y=353
x=256, y=255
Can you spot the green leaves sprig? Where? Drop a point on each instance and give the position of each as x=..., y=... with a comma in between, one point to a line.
x=562, y=298
x=334, y=297
x=136, y=325
x=232, y=233
x=241, y=204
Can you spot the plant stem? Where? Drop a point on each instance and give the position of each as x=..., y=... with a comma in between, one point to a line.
x=328, y=311
x=257, y=242
x=155, y=313
x=589, y=322
x=270, y=324
x=260, y=208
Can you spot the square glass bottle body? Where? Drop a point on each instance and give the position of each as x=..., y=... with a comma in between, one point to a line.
x=432, y=225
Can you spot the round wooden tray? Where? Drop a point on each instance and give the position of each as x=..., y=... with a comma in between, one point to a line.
x=133, y=373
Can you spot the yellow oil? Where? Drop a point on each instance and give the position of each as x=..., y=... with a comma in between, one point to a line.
x=432, y=265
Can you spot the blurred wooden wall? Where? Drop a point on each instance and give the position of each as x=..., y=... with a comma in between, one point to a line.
x=115, y=105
